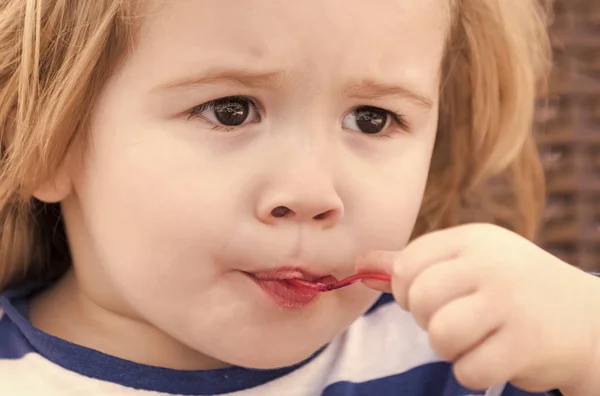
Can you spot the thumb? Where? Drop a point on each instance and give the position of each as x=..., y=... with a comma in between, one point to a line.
x=377, y=261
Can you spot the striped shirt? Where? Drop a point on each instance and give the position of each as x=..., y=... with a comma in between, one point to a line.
x=383, y=352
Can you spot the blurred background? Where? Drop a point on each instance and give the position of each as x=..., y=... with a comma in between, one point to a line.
x=568, y=133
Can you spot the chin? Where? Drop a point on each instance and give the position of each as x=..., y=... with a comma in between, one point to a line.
x=273, y=359
x=267, y=353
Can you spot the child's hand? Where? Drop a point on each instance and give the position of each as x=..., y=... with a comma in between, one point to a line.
x=500, y=308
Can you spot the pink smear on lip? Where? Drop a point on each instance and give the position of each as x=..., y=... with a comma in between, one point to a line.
x=329, y=283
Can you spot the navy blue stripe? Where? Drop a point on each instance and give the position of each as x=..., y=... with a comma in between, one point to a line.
x=383, y=300
x=12, y=343
x=512, y=391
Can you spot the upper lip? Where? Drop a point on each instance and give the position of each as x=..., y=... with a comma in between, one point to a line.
x=283, y=273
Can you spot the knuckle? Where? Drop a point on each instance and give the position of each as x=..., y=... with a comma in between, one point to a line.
x=473, y=376
x=417, y=298
x=483, y=233
x=441, y=340
x=423, y=292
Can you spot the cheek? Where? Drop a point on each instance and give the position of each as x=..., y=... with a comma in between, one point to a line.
x=158, y=206
x=390, y=198
x=389, y=221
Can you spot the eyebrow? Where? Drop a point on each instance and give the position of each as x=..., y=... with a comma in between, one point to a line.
x=364, y=89
x=371, y=89
x=238, y=77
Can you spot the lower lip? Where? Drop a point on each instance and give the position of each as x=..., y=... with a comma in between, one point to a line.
x=286, y=295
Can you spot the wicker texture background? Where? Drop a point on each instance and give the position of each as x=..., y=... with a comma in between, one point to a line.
x=568, y=133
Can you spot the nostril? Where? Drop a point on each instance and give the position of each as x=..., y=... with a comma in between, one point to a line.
x=281, y=211
x=324, y=215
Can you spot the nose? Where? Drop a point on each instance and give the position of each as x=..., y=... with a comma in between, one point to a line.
x=308, y=200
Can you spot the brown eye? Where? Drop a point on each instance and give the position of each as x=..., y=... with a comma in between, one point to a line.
x=227, y=112
x=232, y=111
x=368, y=120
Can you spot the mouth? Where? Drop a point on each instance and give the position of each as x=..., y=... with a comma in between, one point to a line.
x=278, y=286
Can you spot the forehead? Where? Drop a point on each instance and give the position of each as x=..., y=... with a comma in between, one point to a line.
x=330, y=38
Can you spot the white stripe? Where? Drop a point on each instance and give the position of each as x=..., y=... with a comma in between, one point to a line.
x=34, y=375
x=384, y=343
x=496, y=390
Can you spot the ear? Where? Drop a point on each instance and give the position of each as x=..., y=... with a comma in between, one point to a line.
x=60, y=185
x=57, y=189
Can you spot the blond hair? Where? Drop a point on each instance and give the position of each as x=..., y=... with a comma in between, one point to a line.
x=55, y=57
x=496, y=64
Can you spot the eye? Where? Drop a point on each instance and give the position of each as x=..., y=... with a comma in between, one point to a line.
x=228, y=112
x=371, y=120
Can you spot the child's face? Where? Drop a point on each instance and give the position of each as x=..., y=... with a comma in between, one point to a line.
x=176, y=206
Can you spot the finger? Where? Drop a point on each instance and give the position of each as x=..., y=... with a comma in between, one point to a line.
x=425, y=251
x=377, y=261
x=491, y=363
x=437, y=286
x=461, y=326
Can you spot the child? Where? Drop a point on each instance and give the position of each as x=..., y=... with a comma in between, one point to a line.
x=168, y=166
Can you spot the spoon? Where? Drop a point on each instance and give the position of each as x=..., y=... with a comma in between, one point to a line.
x=325, y=287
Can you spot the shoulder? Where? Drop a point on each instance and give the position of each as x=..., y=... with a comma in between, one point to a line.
x=15, y=370
x=386, y=353
x=13, y=344
x=24, y=371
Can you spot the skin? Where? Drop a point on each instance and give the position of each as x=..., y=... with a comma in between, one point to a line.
x=165, y=214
